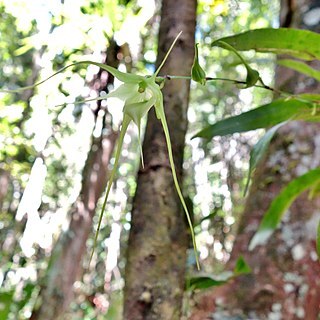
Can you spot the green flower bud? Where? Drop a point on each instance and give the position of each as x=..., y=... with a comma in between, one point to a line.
x=252, y=76
x=197, y=73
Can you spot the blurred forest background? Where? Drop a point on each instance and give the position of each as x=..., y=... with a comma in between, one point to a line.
x=55, y=159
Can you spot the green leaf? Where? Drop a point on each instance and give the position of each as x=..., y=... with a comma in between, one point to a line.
x=280, y=205
x=301, y=44
x=314, y=191
x=28, y=289
x=309, y=96
x=208, y=281
x=197, y=73
x=5, y=303
x=259, y=150
x=263, y=117
x=300, y=67
x=241, y=267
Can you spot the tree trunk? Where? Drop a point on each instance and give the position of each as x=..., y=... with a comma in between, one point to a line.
x=158, y=238
x=65, y=266
x=285, y=282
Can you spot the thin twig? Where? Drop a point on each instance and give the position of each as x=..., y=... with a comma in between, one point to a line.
x=263, y=86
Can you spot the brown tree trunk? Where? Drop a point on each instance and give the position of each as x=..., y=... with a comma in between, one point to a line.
x=65, y=266
x=285, y=282
x=158, y=238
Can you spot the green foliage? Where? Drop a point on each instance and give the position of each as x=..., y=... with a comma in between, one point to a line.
x=6, y=298
x=300, y=67
x=241, y=267
x=297, y=43
x=280, y=205
x=139, y=94
x=259, y=150
x=138, y=102
x=8, y=45
x=301, y=44
x=208, y=281
x=263, y=117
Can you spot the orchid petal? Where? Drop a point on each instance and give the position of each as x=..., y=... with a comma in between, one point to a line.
x=136, y=111
x=161, y=115
x=125, y=91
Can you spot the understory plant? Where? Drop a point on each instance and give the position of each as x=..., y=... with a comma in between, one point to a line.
x=140, y=93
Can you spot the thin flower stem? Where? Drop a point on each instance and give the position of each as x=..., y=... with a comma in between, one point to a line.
x=263, y=86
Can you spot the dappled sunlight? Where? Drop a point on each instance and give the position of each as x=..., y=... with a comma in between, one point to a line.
x=29, y=205
x=61, y=166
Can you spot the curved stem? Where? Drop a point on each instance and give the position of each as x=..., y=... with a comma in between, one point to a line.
x=263, y=86
x=124, y=77
x=80, y=101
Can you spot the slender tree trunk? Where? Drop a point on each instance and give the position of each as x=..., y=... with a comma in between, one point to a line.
x=285, y=282
x=65, y=266
x=158, y=238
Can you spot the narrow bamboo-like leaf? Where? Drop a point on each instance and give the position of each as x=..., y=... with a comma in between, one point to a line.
x=300, y=67
x=259, y=150
x=302, y=44
x=241, y=267
x=310, y=97
x=263, y=117
x=208, y=281
x=314, y=191
x=280, y=205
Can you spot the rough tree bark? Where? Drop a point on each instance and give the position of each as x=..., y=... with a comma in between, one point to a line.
x=158, y=237
x=285, y=282
x=65, y=266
